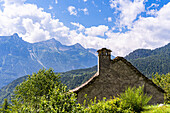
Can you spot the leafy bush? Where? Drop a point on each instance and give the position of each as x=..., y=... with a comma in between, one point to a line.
x=109, y=106
x=134, y=99
x=43, y=92
x=164, y=82
x=156, y=109
x=5, y=107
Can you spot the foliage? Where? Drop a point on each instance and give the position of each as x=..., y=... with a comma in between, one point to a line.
x=72, y=79
x=75, y=78
x=5, y=107
x=43, y=92
x=7, y=91
x=134, y=99
x=151, y=61
x=164, y=82
x=156, y=109
x=152, y=64
x=103, y=106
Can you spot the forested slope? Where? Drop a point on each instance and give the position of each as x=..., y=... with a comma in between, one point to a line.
x=72, y=79
x=151, y=61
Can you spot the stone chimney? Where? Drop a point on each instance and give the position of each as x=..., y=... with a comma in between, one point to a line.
x=104, y=57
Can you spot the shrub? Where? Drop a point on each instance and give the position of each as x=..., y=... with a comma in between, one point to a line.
x=134, y=99
x=5, y=107
x=157, y=109
x=164, y=82
x=109, y=106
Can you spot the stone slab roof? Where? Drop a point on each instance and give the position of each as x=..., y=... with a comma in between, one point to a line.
x=92, y=79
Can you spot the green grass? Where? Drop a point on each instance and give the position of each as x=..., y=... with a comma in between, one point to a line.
x=156, y=109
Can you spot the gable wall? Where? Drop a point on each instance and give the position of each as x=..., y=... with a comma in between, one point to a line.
x=114, y=78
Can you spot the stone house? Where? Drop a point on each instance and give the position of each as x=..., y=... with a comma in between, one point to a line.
x=113, y=77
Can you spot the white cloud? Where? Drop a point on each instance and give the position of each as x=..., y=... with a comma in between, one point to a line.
x=94, y=3
x=33, y=24
x=96, y=31
x=109, y=19
x=56, y=1
x=72, y=10
x=80, y=27
x=85, y=10
x=85, y=0
x=50, y=7
x=128, y=10
x=153, y=5
x=34, y=31
x=30, y=22
x=152, y=12
x=147, y=32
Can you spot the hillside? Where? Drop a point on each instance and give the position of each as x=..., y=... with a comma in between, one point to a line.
x=19, y=58
x=147, y=61
x=151, y=61
x=71, y=78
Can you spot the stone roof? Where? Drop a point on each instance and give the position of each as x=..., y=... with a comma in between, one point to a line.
x=92, y=79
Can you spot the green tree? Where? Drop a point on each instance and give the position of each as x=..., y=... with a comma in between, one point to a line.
x=164, y=82
x=5, y=107
x=43, y=92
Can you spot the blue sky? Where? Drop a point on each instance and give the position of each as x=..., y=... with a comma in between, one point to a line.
x=120, y=25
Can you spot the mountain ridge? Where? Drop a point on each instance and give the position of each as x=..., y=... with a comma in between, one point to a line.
x=140, y=53
x=151, y=61
x=19, y=58
x=75, y=78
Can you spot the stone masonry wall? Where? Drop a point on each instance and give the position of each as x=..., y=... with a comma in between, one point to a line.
x=113, y=79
